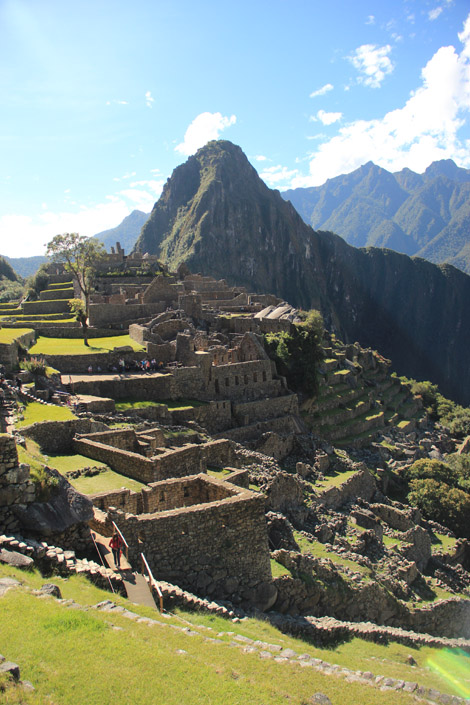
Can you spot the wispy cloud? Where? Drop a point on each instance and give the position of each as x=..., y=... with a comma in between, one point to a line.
x=149, y=101
x=117, y=102
x=434, y=14
x=321, y=91
x=125, y=176
x=326, y=118
x=373, y=64
x=370, y=19
x=278, y=176
x=204, y=127
x=261, y=158
x=425, y=129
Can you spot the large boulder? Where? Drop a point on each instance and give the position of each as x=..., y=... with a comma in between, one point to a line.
x=64, y=508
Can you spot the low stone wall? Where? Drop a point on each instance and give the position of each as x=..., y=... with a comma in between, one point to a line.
x=111, y=314
x=178, y=462
x=219, y=453
x=56, y=437
x=75, y=331
x=42, y=307
x=361, y=484
x=215, y=416
x=246, y=413
x=79, y=364
x=15, y=485
x=283, y=425
x=9, y=351
x=126, y=463
x=159, y=387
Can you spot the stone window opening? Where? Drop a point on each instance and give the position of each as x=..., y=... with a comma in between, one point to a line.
x=162, y=496
x=236, y=380
x=227, y=382
x=255, y=377
x=246, y=379
x=186, y=492
x=264, y=376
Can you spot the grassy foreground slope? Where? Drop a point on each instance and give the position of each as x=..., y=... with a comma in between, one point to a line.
x=76, y=655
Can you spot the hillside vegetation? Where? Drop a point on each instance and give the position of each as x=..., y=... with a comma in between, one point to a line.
x=427, y=215
x=73, y=653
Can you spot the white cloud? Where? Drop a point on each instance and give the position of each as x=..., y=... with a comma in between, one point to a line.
x=321, y=91
x=149, y=101
x=425, y=129
x=117, y=102
x=125, y=176
x=26, y=235
x=434, y=14
x=278, y=176
x=373, y=64
x=327, y=118
x=370, y=19
x=260, y=158
x=204, y=127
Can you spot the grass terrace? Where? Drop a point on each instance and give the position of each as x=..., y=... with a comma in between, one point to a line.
x=75, y=346
x=105, y=481
x=9, y=335
x=173, y=405
x=73, y=656
x=35, y=412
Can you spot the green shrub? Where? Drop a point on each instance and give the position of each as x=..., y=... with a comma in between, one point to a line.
x=35, y=365
x=45, y=482
x=297, y=354
x=442, y=503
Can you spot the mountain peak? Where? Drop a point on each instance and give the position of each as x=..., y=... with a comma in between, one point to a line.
x=447, y=168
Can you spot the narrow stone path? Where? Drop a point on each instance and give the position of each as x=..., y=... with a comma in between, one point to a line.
x=136, y=586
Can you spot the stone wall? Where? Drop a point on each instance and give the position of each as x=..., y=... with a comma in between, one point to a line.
x=9, y=351
x=178, y=462
x=79, y=364
x=124, y=462
x=219, y=548
x=15, y=485
x=42, y=307
x=55, y=437
x=112, y=314
x=361, y=484
x=247, y=412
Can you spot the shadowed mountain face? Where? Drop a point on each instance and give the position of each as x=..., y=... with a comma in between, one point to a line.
x=217, y=215
x=427, y=215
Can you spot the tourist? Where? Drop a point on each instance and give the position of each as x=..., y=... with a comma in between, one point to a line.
x=116, y=545
x=90, y=369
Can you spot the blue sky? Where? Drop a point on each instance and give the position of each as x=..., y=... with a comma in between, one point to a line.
x=100, y=100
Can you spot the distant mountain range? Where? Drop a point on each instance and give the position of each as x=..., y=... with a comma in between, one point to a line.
x=219, y=217
x=126, y=233
x=427, y=215
x=26, y=266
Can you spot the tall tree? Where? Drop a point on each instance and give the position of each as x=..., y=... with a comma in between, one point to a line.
x=79, y=255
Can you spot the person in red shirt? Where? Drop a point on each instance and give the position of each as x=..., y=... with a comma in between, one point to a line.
x=116, y=545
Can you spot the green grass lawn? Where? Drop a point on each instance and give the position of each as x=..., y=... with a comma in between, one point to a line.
x=74, y=657
x=35, y=412
x=76, y=346
x=103, y=482
x=334, y=480
x=8, y=335
x=108, y=481
x=126, y=404
x=443, y=543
